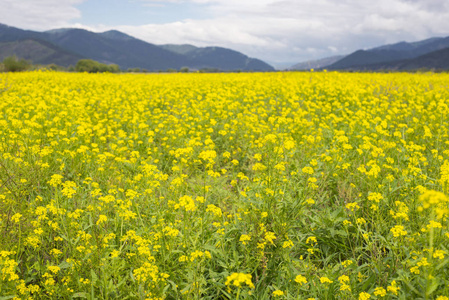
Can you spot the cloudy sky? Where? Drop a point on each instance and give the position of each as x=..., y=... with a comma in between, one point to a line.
x=281, y=32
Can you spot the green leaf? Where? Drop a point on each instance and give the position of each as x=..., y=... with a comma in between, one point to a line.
x=80, y=295
x=432, y=286
x=93, y=276
x=64, y=265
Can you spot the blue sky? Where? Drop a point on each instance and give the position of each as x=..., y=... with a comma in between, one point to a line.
x=137, y=12
x=280, y=32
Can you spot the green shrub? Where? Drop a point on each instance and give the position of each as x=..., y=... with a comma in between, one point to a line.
x=13, y=64
x=92, y=66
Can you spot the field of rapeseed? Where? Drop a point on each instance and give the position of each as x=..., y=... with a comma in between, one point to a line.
x=224, y=186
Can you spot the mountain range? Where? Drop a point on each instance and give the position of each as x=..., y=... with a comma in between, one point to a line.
x=316, y=64
x=66, y=46
x=403, y=56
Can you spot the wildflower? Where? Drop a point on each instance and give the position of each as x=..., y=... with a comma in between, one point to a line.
x=393, y=288
x=312, y=240
x=101, y=219
x=244, y=238
x=269, y=237
x=300, y=279
x=364, y=296
x=258, y=167
x=343, y=279
x=115, y=253
x=237, y=279
x=278, y=293
x=398, y=231
x=439, y=254
x=310, y=201
x=53, y=269
x=16, y=217
x=325, y=280
x=287, y=244
x=361, y=221
x=55, y=180
x=380, y=291
x=307, y=170
x=352, y=206
x=347, y=263
x=376, y=197
x=69, y=189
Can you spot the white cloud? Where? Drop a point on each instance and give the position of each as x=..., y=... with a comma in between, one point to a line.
x=273, y=30
x=39, y=15
x=294, y=30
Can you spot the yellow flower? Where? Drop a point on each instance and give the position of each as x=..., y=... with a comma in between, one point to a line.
x=347, y=263
x=364, y=296
x=310, y=201
x=269, y=237
x=115, y=253
x=244, y=238
x=101, y=219
x=237, y=279
x=380, y=291
x=398, y=231
x=53, y=269
x=307, y=170
x=287, y=244
x=278, y=293
x=55, y=180
x=325, y=280
x=393, y=288
x=376, y=197
x=300, y=279
x=439, y=254
x=343, y=279
x=311, y=239
x=361, y=221
x=16, y=217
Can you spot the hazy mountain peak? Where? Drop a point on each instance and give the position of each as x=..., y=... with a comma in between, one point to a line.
x=180, y=49
x=317, y=63
x=115, y=34
x=128, y=52
x=394, y=56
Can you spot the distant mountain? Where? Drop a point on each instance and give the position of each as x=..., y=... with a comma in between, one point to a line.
x=435, y=60
x=389, y=54
x=316, y=64
x=115, y=47
x=179, y=49
x=221, y=58
x=39, y=51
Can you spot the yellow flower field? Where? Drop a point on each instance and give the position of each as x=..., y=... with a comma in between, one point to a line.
x=224, y=186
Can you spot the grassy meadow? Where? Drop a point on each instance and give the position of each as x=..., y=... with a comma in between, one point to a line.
x=314, y=185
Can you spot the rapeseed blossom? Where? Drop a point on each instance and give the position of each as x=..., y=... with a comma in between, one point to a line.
x=163, y=184
x=238, y=279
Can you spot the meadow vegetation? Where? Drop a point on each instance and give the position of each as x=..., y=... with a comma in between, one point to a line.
x=224, y=186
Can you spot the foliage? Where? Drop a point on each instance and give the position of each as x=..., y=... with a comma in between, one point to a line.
x=13, y=64
x=224, y=186
x=184, y=70
x=92, y=66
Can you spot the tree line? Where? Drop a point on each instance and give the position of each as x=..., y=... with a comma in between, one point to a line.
x=14, y=64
